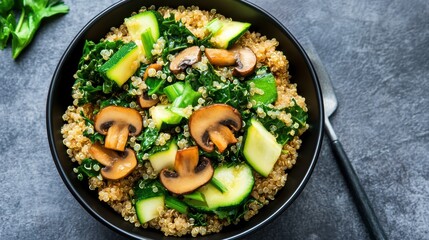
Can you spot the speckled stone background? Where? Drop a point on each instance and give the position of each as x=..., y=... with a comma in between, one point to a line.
x=377, y=53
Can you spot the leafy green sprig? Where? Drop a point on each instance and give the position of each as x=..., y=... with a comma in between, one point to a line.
x=32, y=14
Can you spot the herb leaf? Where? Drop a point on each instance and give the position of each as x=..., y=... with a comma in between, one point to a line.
x=32, y=13
x=7, y=25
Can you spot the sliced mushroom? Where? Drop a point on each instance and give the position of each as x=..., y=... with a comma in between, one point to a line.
x=214, y=125
x=155, y=66
x=189, y=174
x=146, y=101
x=246, y=62
x=185, y=58
x=117, y=165
x=117, y=123
x=242, y=57
x=220, y=57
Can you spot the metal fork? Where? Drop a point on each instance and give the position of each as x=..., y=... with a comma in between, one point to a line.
x=330, y=105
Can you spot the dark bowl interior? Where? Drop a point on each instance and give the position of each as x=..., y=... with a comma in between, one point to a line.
x=300, y=69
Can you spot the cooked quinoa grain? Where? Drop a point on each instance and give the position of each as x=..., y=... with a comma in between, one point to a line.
x=119, y=194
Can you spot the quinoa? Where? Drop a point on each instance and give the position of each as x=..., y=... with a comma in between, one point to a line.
x=119, y=193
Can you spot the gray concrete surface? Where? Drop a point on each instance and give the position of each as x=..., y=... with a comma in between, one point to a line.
x=377, y=53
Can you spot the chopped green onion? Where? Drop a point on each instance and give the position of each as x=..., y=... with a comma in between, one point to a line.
x=214, y=25
x=198, y=196
x=147, y=42
x=217, y=184
x=174, y=203
x=173, y=91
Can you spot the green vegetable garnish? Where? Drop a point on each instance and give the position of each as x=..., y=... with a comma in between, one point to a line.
x=174, y=203
x=32, y=13
x=7, y=24
x=6, y=6
x=187, y=97
x=88, y=168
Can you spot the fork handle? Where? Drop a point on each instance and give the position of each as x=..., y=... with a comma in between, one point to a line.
x=359, y=195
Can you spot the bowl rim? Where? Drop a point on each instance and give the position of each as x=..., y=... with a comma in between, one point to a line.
x=85, y=205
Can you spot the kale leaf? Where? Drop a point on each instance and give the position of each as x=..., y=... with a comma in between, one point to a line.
x=146, y=139
x=229, y=92
x=89, y=81
x=231, y=214
x=175, y=35
x=94, y=136
x=281, y=131
x=88, y=168
x=200, y=219
x=147, y=188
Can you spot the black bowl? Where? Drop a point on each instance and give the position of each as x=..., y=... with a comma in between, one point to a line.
x=299, y=67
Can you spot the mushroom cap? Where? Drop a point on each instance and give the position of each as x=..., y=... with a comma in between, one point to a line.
x=146, y=101
x=118, y=123
x=246, y=61
x=185, y=58
x=214, y=125
x=190, y=172
x=220, y=57
x=117, y=165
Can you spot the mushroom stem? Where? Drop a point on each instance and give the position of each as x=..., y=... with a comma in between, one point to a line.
x=116, y=138
x=103, y=156
x=214, y=125
x=118, y=123
x=190, y=172
x=220, y=57
x=242, y=57
x=221, y=137
x=186, y=161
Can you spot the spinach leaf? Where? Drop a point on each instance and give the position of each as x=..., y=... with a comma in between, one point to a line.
x=148, y=138
x=7, y=25
x=155, y=85
x=122, y=100
x=94, y=137
x=298, y=114
x=228, y=157
x=32, y=13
